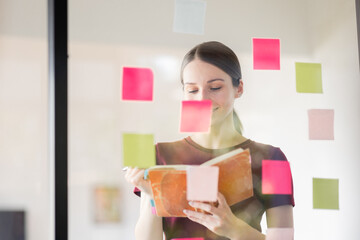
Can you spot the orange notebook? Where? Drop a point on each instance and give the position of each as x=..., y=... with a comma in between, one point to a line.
x=168, y=182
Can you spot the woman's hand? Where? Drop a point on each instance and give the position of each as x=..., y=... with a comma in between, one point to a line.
x=135, y=176
x=219, y=219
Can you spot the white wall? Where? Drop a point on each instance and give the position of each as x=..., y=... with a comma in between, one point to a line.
x=104, y=36
x=24, y=167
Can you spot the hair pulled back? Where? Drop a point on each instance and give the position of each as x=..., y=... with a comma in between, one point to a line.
x=217, y=54
x=221, y=56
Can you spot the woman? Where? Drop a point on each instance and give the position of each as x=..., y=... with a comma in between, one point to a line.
x=211, y=71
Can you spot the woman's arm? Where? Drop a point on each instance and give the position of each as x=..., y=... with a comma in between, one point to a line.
x=148, y=226
x=280, y=217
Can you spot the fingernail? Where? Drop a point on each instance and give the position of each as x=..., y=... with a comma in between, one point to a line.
x=191, y=203
x=185, y=211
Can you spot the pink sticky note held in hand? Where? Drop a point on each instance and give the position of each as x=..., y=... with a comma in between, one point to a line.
x=276, y=177
x=202, y=183
x=137, y=84
x=266, y=54
x=195, y=116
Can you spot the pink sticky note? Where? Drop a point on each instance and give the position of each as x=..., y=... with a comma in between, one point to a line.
x=266, y=54
x=202, y=183
x=137, y=84
x=279, y=234
x=195, y=116
x=321, y=124
x=153, y=210
x=276, y=177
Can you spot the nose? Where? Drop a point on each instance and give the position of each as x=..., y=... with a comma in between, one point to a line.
x=203, y=95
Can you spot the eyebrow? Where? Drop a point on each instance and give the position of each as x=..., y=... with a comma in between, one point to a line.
x=210, y=81
x=216, y=79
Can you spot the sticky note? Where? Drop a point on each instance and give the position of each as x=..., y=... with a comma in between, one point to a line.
x=321, y=124
x=146, y=174
x=325, y=193
x=202, y=183
x=195, y=116
x=153, y=210
x=138, y=150
x=137, y=84
x=266, y=54
x=189, y=16
x=276, y=177
x=279, y=234
x=308, y=77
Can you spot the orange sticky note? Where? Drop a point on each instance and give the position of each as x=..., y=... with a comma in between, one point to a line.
x=266, y=54
x=276, y=177
x=137, y=84
x=195, y=116
x=321, y=124
x=202, y=183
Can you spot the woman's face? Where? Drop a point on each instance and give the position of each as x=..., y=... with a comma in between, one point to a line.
x=204, y=81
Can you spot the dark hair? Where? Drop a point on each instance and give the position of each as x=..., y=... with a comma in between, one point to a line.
x=220, y=56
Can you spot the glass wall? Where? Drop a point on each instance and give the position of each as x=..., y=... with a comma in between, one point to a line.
x=25, y=200
x=106, y=36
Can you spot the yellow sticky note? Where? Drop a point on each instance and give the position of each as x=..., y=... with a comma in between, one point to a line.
x=308, y=77
x=325, y=193
x=138, y=150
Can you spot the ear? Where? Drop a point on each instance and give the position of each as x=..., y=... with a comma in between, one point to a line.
x=239, y=89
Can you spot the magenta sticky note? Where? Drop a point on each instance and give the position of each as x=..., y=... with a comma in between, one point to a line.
x=321, y=124
x=276, y=177
x=266, y=54
x=137, y=84
x=279, y=234
x=202, y=183
x=195, y=116
x=153, y=210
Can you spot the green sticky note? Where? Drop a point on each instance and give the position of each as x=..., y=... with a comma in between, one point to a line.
x=139, y=150
x=325, y=193
x=308, y=77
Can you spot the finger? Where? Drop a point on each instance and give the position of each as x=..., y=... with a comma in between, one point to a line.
x=203, y=206
x=131, y=174
x=198, y=217
x=221, y=199
x=139, y=176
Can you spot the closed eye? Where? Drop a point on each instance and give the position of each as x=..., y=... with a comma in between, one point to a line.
x=192, y=91
x=215, y=89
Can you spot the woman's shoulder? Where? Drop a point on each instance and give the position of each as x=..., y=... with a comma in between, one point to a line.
x=267, y=151
x=176, y=152
x=171, y=146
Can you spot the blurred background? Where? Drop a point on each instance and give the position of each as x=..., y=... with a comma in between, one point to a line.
x=104, y=36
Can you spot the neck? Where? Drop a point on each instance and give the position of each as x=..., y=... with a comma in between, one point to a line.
x=220, y=136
